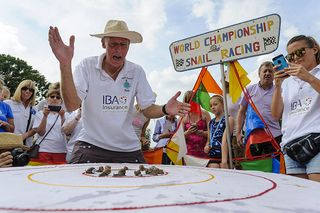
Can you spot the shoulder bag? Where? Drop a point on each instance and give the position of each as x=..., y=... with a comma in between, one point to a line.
x=303, y=149
x=34, y=149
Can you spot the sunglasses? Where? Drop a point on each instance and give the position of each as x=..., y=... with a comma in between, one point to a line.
x=55, y=97
x=26, y=88
x=299, y=53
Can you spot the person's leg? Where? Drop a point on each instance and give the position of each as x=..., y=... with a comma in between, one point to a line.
x=213, y=165
x=165, y=159
x=295, y=168
x=314, y=177
x=305, y=176
x=313, y=168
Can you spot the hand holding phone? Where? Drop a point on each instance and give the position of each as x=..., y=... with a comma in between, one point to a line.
x=281, y=61
x=54, y=108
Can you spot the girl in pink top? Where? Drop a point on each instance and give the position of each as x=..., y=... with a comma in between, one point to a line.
x=195, y=129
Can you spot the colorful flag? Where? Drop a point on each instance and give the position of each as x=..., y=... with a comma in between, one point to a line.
x=176, y=147
x=237, y=80
x=205, y=84
x=190, y=160
x=153, y=156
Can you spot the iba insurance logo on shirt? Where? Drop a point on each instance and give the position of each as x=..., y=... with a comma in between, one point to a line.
x=300, y=106
x=114, y=103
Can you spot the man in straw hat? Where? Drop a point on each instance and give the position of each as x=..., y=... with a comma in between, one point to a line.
x=107, y=86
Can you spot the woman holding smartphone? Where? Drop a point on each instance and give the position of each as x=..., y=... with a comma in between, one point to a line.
x=296, y=100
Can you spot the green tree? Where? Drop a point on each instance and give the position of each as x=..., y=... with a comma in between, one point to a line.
x=14, y=70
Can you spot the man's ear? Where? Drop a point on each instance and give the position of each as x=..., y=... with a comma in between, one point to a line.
x=103, y=44
x=315, y=50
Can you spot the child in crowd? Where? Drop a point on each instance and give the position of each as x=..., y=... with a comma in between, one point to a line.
x=216, y=145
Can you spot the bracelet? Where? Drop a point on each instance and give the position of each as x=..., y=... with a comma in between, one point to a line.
x=164, y=110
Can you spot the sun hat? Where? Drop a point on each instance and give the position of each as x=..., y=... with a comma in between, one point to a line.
x=10, y=141
x=118, y=28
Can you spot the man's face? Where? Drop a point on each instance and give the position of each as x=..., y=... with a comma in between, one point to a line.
x=116, y=50
x=266, y=76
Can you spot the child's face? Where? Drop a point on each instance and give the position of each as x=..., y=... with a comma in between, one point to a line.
x=216, y=106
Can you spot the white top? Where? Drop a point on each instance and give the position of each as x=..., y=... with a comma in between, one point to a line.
x=55, y=141
x=21, y=117
x=75, y=133
x=301, y=113
x=138, y=121
x=107, y=105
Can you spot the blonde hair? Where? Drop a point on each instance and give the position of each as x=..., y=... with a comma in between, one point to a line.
x=25, y=83
x=54, y=88
x=187, y=96
x=2, y=82
x=6, y=89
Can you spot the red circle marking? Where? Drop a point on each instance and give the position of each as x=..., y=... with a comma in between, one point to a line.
x=273, y=186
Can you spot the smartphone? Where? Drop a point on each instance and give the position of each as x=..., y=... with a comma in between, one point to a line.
x=280, y=60
x=54, y=108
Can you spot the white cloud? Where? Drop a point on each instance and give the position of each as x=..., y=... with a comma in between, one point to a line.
x=205, y=9
x=9, y=40
x=167, y=82
x=224, y=13
x=289, y=30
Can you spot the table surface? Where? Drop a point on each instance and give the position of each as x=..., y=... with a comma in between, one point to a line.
x=181, y=188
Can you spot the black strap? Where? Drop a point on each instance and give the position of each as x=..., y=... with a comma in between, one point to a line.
x=28, y=124
x=49, y=130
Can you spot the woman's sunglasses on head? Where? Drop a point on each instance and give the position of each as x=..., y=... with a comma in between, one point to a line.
x=27, y=88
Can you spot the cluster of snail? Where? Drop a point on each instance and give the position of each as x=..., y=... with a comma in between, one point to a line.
x=105, y=171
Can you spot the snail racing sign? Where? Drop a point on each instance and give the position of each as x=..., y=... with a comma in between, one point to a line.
x=247, y=39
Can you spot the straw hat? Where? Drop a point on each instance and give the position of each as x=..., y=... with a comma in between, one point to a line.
x=10, y=141
x=118, y=28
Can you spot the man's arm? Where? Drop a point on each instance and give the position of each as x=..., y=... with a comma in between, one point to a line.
x=240, y=120
x=277, y=103
x=68, y=89
x=156, y=132
x=172, y=107
x=64, y=54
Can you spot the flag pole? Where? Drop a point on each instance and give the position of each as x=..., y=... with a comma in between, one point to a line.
x=226, y=115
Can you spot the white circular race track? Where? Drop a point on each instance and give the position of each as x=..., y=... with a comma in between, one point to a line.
x=66, y=188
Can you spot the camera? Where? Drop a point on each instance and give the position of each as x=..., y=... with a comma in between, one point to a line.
x=20, y=157
x=54, y=108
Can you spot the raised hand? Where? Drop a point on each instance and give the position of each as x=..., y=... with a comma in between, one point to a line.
x=63, y=53
x=174, y=107
x=279, y=75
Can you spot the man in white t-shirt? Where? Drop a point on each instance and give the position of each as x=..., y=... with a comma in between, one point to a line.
x=106, y=87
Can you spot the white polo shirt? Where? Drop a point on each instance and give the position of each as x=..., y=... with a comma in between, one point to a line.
x=108, y=105
x=301, y=112
x=21, y=117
